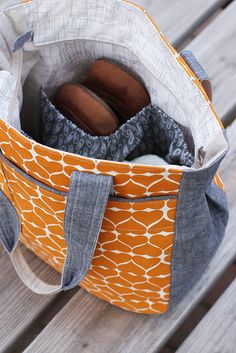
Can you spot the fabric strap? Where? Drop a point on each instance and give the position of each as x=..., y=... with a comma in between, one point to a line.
x=199, y=71
x=85, y=208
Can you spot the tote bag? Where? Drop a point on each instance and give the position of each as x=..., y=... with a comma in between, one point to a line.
x=136, y=236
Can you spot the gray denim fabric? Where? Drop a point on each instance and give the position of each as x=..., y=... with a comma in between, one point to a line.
x=85, y=208
x=201, y=219
x=9, y=223
x=194, y=64
x=86, y=204
x=21, y=40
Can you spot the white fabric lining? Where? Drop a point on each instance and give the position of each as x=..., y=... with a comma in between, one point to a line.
x=147, y=54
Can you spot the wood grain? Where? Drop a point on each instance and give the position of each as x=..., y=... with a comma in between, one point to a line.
x=18, y=305
x=217, y=331
x=215, y=48
x=87, y=324
x=178, y=19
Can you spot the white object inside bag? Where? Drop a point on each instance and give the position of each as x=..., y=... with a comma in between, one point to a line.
x=69, y=35
x=149, y=159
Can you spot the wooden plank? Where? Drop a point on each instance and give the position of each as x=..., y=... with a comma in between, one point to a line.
x=178, y=19
x=87, y=324
x=215, y=48
x=19, y=307
x=217, y=331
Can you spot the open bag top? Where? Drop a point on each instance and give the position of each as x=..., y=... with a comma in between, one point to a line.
x=86, y=32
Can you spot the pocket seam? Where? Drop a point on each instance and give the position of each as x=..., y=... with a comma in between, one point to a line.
x=34, y=181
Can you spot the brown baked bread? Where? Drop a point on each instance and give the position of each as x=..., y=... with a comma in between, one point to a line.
x=86, y=110
x=123, y=92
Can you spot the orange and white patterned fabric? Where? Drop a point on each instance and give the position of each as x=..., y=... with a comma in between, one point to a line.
x=54, y=167
x=131, y=264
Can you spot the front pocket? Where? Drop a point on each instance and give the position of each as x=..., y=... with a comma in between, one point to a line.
x=41, y=213
x=131, y=263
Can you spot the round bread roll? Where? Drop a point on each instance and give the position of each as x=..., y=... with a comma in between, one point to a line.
x=85, y=109
x=118, y=87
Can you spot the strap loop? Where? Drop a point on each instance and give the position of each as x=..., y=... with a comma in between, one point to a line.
x=86, y=203
x=199, y=71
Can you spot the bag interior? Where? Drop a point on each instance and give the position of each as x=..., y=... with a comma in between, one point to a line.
x=69, y=36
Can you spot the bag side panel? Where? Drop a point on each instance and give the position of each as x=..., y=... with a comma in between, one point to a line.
x=202, y=215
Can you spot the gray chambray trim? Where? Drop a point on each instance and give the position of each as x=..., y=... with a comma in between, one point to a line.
x=86, y=204
x=201, y=219
x=195, y=66
x=9, y=223
x=143, y=199
x=21, y=40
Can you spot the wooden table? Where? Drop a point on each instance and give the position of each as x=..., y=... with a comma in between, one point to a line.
x=75, y=321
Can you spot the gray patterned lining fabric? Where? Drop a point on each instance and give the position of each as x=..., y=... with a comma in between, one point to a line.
x=151, y=131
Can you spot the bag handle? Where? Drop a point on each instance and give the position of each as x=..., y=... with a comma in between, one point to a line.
x=86, y=203
x=199, y=71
